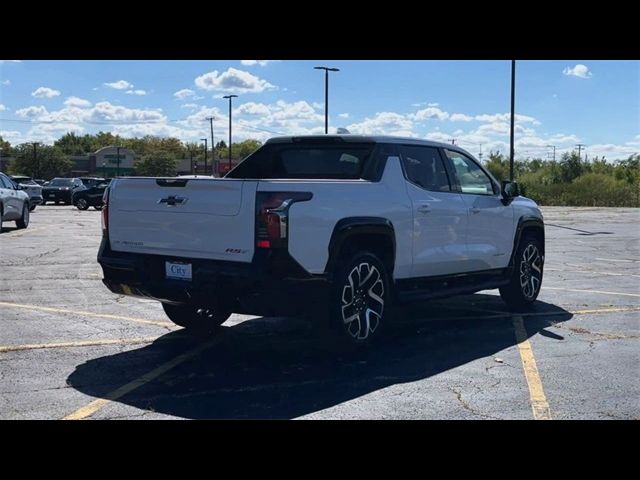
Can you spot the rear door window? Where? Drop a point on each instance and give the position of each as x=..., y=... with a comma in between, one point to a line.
x=424, y=167
x=306, y=160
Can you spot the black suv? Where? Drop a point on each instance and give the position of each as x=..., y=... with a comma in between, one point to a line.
x=92, y=196
x=61, y=190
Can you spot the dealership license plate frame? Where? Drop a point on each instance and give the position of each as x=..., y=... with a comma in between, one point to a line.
x=178, y=271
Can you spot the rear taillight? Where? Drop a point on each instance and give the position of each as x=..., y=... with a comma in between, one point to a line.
x=272, y=217
x=105, y=213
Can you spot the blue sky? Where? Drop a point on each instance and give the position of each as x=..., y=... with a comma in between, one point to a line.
x=560, y=103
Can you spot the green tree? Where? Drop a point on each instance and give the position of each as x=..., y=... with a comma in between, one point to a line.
x=157, y=164
x=71, y=144
x=6, y=147
x=498, y=165
x=243, y=149
x=49, y=161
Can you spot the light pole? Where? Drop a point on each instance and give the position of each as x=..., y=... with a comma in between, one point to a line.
x=230, y=97
x=118, y=161
x=213, y=147
x=205, y=156
x=104, y=170
x=326, y=94
x=513, y=116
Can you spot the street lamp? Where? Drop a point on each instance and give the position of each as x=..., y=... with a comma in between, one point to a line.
x=230, y=97
x=117, y=161
x=205, y=156
x=104, y=170
x=326, y=94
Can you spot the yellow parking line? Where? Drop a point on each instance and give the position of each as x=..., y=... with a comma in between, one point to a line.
x=81, y=343
x=579, y=290
x=87, y=314
x=539, y=404
x=96, y=405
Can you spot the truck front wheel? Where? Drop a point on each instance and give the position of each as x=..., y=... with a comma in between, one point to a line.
x=200, y=321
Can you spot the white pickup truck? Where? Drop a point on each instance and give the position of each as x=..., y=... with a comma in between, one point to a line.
x=343, y=224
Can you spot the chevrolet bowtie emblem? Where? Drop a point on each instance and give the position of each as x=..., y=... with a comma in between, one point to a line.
x=173, y=201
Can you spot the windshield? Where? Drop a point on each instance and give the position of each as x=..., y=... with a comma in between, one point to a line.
x=61, y=182
x=25, y=180
x=306, y=160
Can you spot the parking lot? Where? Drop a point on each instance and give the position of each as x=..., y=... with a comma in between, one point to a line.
x=71, y=349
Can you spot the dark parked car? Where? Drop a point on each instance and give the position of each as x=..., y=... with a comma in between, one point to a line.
x=61, y=190
x=31, y=187
x=91, y=197
x=93, y=181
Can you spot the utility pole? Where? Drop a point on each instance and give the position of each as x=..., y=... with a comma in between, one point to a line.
x=453, y=141
x=580, y=147
x=213, y=147
x=480, y=154
x=205, y=156
x=326, y=94
x=513, y=115
x=191, y=160
x=230, y=97
x=554, y=151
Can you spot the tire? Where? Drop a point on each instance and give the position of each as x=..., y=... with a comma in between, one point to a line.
x=526, y=280
x=24, y=220
x=98, y=207
x=32, y=208
x=360, y=299
x=1, y=214
x=196, y=320
x=82, y=204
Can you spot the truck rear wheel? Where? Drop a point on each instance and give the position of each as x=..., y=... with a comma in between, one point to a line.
x=360, y=298
x=200, y=321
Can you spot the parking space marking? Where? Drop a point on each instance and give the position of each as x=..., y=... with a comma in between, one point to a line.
x=98, y=404
x=88, y=314
x=539, y=404
x=579, y=290
x=25, y=231
x=591, y=271
x=616, y=260
x=80, y=343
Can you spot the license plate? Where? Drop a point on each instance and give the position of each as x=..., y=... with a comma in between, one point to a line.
x=178, y=271
x=51, y=195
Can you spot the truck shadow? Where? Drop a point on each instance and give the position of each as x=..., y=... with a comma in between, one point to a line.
x=278, y=368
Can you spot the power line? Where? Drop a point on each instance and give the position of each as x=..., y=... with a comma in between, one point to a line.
x=580, y=147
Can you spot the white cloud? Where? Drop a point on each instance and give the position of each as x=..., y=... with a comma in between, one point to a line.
x=119, y=85
x=6, y=82
x=184, y=93
x=253, y=108
x=431, y=113
x=318, y=105
x=2, y=108
x=77, y=102
x=580, y=71
x=343, y=115
x=190, y=105
x=32, y=112
x=10, y=61
x=384, y=123
x=506, y=117
x=435, y=104
x=107, y=112
x=249, y=63
x=136, y=92
x=45, y=92
x=232, y=81
x=460, y=117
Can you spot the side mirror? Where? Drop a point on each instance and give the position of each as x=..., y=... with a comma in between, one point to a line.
x=19, y=187
x=510, y=190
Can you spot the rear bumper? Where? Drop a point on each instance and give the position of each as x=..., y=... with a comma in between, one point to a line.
x=272, y=284
x=35, y=200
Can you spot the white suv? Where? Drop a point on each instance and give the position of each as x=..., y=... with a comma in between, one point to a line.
x=345, y=224
x=14, y=203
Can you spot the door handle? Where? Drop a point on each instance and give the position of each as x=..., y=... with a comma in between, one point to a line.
x=424, y=208
x=474, y=210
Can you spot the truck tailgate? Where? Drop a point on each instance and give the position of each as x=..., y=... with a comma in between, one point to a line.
x=209, y=218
